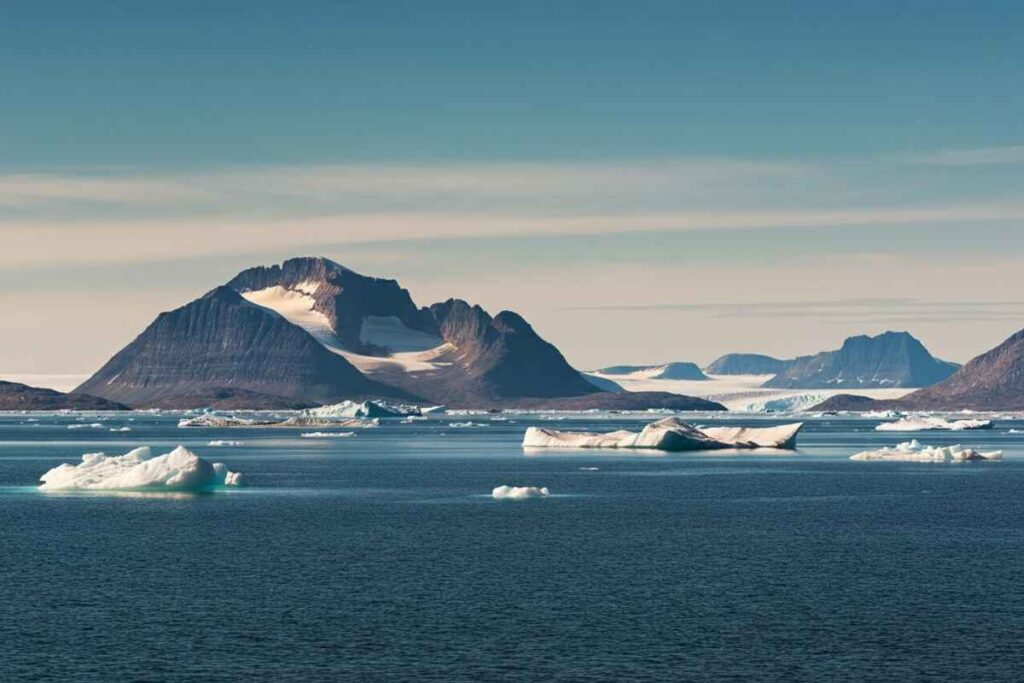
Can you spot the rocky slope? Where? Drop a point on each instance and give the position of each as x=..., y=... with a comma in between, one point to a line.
x=889, y=360
x=15, y=396
x=220, y=343
x=746, y=364
x=992, y=381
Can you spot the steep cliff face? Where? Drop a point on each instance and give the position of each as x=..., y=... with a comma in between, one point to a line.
x=892, y=359
x=222, y=342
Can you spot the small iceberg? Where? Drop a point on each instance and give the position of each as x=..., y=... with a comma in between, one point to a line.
x=929, y=423
x=373, y=408
x=139, y=470
x=326, y=435
x=519, y=492
x=669, y=434
x=914, y=451
x=217, y=420
x=224, y=442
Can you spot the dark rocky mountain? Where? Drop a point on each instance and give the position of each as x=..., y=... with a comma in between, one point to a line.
x=312, y=331
x=677, y=370
x=746, y=364
x=222, y=343
x=992, y=381
x=15, y=396
x=889, y=360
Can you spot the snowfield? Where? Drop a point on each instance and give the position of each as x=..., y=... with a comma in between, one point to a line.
x=411, y=350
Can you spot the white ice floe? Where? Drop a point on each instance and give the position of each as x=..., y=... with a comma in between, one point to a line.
x=914, y=451
x=589, y=469
x=224, y=443
x=326, y=435
x=882, y=414
x=931, y=423
x=669, y=434
x=139, y=470
x=519, y=492
x=94, y=425
x=373, y=408
x=120, y=429
x=465, y=425
x=216, y=420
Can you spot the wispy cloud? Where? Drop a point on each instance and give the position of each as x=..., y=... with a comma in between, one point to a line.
x=111, y=241
x=981, y=156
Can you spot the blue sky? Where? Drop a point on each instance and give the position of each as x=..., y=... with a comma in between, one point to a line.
x=623, y=174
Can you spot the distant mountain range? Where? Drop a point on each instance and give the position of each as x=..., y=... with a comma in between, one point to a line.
x=992, y=381
x=746, y=364
x=15, y=396
x=312, y=331
x=677, y=370
x=889, y=360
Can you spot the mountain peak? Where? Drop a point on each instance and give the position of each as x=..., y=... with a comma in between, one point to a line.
x=890, y=359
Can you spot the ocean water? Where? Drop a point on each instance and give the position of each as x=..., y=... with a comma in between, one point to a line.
x=383, y=557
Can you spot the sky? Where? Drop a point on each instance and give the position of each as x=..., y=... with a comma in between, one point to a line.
x=644, y=182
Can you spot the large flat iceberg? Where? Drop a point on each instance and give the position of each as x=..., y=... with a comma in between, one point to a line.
x=930, y=423
x=139, y=470
x=914, y=451
x=669, y=434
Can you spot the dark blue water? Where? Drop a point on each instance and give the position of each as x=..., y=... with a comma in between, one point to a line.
x=382, y=557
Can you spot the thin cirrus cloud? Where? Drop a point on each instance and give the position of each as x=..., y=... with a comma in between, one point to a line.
x=120, y=216
x=383, y=181
x=981, y=156
x=99, y=241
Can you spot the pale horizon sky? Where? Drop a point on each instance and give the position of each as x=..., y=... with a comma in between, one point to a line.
x=644, y=183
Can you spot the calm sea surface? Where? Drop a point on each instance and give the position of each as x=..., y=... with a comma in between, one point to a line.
x=383, y=557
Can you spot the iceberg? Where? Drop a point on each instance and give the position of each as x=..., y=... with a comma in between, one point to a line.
x=217, y=420
x=929, y=423
x=227, y=421
x=372, y=408
x=326, y=435
x=519, y=492
x=914, y=451
x=669, y=434
x=139, y=470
